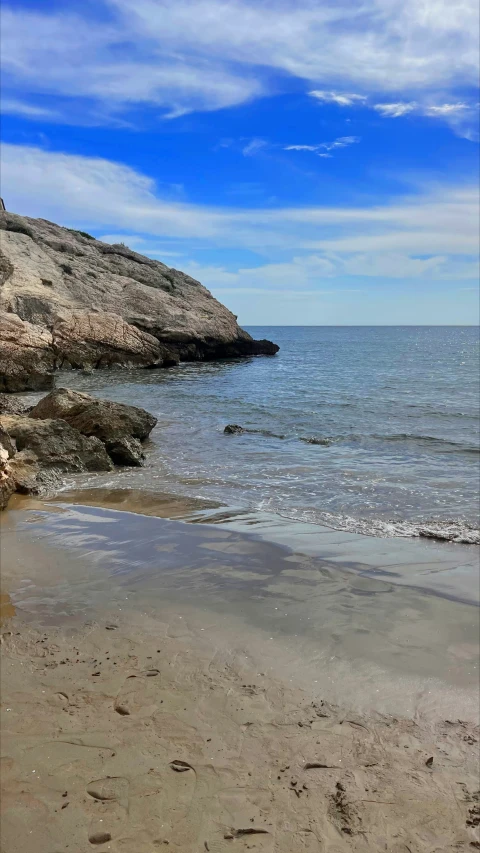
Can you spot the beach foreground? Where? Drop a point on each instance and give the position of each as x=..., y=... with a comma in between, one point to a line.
x=133, y=735
x=193, y=687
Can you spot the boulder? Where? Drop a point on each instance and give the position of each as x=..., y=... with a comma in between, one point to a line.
x=104, y=419
x=26, y=355
x=58, y=403
x=109, y=421
x=57, y=445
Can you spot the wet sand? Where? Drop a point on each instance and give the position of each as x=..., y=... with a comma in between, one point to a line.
x=188, y=687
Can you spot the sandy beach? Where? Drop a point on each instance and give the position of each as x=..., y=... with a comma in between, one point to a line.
x=127, y=731
x=129, y=736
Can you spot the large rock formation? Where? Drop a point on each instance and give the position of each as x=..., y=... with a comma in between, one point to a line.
x=71, y=301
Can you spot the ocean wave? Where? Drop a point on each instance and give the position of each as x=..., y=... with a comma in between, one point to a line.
x=458, y=530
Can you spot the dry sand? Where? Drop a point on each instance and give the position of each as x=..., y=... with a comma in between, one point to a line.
x=134, y=736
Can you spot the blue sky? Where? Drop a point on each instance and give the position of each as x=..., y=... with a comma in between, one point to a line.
x=310, y=162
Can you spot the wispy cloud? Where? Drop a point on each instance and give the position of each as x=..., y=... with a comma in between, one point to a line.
x=322, y=149
x=340, y=98
x=177, y=56
x=253, y=147
x=442, y=110
x=395, y=110
x=12, y=106
x=461, y=116
x=432, y=233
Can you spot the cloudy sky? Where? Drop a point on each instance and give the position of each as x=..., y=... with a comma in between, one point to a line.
x=310, y=161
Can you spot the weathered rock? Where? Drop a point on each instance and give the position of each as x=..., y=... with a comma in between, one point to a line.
x=58, y=403
x=26, y=355
x=10, y=405
x=7, y=483
x=104, y=419
x=56, y=444
x=27, y=475
x=125, y=450
x=91, y=339
x=101, y=305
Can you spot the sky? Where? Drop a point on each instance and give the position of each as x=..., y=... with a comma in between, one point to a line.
x=312, y=162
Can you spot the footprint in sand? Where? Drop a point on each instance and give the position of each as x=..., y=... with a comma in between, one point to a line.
x=110, y=789
x=111, y=795
x=139, y=694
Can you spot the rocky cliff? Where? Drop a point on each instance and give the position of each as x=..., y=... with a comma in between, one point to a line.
x=68, y=300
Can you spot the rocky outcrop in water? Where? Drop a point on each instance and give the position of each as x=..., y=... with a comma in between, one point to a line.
x=69, y=300
x=68, y=432
x=57, y=445
x=120, y=427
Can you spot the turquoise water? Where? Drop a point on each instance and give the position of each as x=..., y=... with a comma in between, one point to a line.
x=394, y=409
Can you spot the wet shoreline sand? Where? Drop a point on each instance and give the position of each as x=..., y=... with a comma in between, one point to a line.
x=158, y=679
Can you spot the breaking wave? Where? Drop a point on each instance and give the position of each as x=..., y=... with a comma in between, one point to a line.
x=459, y=531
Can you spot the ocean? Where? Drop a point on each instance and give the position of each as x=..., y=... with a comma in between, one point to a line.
x=373, y=430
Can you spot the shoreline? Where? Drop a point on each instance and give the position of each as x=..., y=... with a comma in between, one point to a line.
x=283, y=588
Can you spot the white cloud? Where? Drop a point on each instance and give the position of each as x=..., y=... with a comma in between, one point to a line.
x=340, y=98
x=395, y=110
x=315, y=275
x=252, y=147
x=433, y=232
x=462, y=117
x=12, y=106
x=445, y=109
x=180, y=55
x=341, y=142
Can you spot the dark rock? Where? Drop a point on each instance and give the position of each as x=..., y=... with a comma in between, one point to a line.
x=235, y=429
x=56, y=444
x=125, y=451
